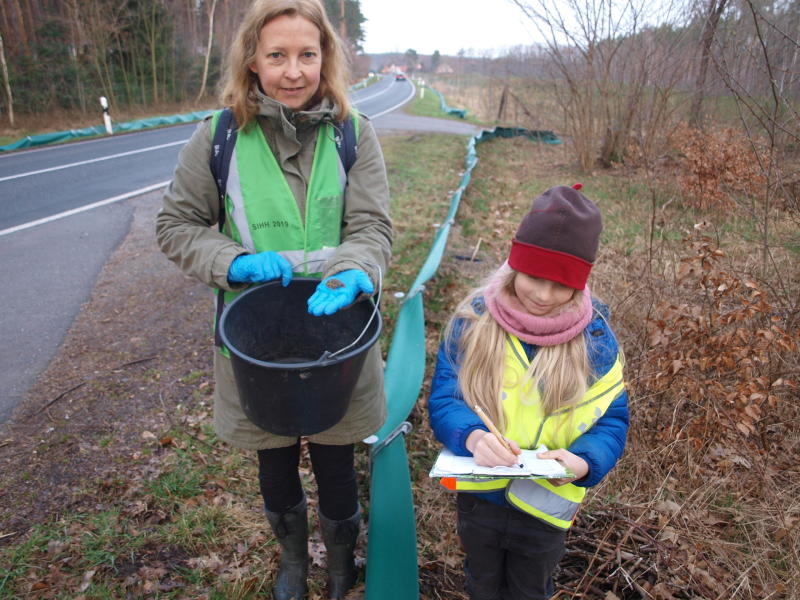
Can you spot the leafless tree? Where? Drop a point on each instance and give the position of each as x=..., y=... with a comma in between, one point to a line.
x=211, y=12
x=101, y=22
x=757, y=60
x=6, y=83
x=614, y=71
x=713, y=12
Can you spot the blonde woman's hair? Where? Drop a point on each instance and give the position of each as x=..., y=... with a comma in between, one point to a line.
x=560, y=373
x=239, y=79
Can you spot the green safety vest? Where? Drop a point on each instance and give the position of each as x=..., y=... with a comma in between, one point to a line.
x=529, y=426
x=261, y=212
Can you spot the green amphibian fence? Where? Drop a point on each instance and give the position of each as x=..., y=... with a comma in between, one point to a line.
x=73, y=134
x=446, y=108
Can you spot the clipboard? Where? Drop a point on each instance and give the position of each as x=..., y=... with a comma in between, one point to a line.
x=530, y=467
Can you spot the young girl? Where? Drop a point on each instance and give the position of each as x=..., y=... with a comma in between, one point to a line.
x=289, y=198
x=535, y=352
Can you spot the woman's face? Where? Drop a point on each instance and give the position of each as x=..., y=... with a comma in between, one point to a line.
x=541, y=297
x=289, y=60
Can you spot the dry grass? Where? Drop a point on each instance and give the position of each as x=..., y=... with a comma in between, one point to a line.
x=528, y=105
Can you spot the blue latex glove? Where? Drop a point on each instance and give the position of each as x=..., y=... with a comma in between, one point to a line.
x=264, y=266
x=338, y=291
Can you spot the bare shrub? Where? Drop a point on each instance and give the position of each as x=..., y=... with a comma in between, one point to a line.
x=614, y=75
x=718, y=165
x=722, y=352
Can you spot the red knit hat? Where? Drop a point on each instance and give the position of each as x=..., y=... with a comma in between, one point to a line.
x=558, y=238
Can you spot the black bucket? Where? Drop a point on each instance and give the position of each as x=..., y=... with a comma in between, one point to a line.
x=295, y=372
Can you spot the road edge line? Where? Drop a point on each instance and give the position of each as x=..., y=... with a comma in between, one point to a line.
x=80, y=209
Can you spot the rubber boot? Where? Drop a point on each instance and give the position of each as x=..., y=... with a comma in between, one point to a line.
x=340, y=541
x=291, y=529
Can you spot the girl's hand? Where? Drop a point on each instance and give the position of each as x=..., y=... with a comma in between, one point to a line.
x=489, y=452
x=573, y=462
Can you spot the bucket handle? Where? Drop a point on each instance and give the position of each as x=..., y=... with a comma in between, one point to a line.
x=329, y=355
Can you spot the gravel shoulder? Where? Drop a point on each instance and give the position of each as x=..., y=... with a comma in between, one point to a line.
x=116, y=377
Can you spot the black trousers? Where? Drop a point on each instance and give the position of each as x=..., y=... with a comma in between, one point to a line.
x=334, y=472
x=510, y=555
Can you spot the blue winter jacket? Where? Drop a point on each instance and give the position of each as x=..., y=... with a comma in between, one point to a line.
x=601, y=446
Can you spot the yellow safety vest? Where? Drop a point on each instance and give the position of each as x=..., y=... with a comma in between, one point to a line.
x=529, y=426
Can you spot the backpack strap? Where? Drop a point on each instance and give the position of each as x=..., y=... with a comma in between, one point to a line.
x=222, y=146
x=347, y=143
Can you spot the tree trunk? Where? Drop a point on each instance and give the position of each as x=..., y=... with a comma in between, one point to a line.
x=7, y=83
x=5, y=25
x=30, y=25
x=124, y=71
x=713, y=14
x=503, y=99
x=153, y=54
x=211, y=12
x=72, y=18
x=22, y=31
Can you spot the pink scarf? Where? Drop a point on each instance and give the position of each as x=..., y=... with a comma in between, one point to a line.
x=551, y=330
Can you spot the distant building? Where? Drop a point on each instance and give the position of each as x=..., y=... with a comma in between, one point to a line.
x=444, y=69
x=393, y=68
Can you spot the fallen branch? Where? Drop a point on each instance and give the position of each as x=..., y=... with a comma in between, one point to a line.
x=76, y=386
x=59, y=397
x=475, y=252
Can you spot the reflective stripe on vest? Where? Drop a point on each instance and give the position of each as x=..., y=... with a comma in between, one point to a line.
x=539, y=498
x=529, y=426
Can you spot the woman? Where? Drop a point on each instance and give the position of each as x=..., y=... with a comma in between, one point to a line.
x=288, y=201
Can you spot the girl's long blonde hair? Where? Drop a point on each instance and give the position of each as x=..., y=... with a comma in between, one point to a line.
x=560, y=373
x=239, y=79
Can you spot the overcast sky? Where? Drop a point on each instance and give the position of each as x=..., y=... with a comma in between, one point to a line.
x=444, y=25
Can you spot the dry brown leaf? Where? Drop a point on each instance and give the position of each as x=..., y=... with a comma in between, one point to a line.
x=668, y=506
x=86, y=581
x=661, y=592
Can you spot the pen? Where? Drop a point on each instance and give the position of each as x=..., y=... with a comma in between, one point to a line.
x=486, y=421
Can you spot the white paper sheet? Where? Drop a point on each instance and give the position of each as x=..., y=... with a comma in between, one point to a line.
x=448, y=465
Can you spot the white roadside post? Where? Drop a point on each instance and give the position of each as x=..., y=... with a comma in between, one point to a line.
x=106, y=116
x=421, y=89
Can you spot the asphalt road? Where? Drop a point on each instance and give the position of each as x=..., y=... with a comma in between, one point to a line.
x=64, y=209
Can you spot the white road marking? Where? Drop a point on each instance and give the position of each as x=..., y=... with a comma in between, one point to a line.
x=396, y=106
x=357, y=101
x=81, y=209
x=93, y=160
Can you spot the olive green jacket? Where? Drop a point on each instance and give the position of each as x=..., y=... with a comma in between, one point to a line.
x=186, y=233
